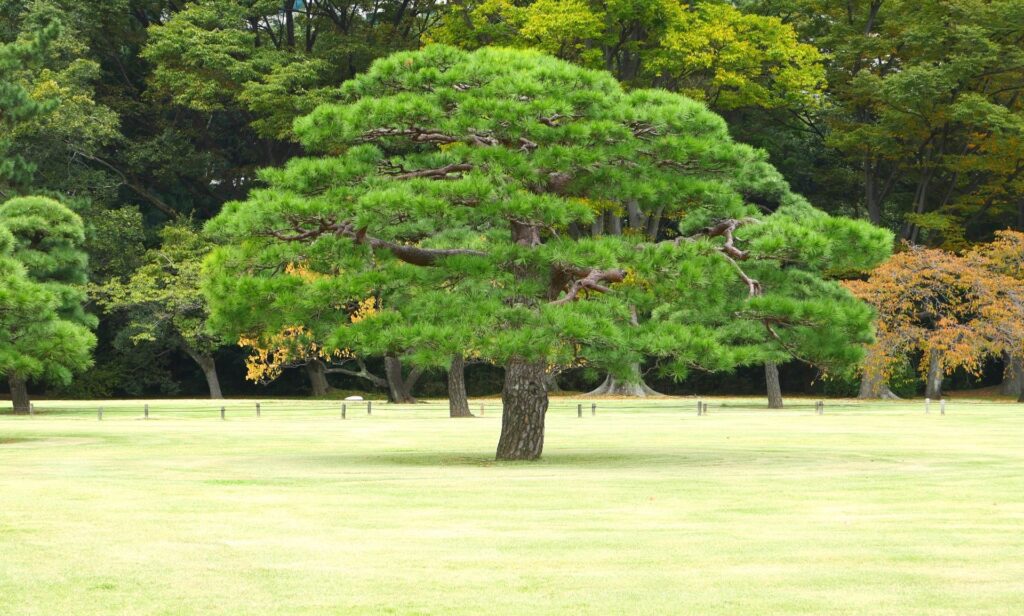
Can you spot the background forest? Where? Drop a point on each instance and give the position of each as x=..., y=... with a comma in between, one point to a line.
x=146, y=116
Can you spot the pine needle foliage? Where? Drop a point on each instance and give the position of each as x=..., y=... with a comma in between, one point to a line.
x=460, y=187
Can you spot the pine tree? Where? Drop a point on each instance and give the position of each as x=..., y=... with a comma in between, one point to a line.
x=44, y=330
x=459, y=187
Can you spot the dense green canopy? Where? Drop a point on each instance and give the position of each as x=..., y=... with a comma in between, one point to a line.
x=44, y=331
x=460, y=188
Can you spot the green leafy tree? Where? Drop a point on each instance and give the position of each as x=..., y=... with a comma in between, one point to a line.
x=46, y=269
x=18, y=105
x=163, y=303
x=710, y=50
x=470, y=178
x=924, y=105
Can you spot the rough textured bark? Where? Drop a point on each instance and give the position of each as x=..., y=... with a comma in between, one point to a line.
x=1012, y=384
x=209, y=368
x=398, y=392
x=458, y=402
x=771, y=377
x=933, y=385
x=317, y=373
x=19, y=394
x=525, y=401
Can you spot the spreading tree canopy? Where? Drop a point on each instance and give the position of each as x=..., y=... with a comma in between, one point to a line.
x=162, y=300
x=44, y=330
x=460, y=187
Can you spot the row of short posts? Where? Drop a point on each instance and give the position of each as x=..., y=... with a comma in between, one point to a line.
x=928, y=406
x=702, y=408
x=819, y=407
x=579, y=409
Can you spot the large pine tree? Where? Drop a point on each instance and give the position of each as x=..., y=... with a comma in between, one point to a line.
x=460, y=188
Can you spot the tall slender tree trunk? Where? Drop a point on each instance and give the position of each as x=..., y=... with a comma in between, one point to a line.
x=209, y=367
x=317, y=373
x=458, y=401
x=771, y=377
x=933, y=385
x=398, y=392
x=525, y=401
x=19, y=394
x=1012, y=384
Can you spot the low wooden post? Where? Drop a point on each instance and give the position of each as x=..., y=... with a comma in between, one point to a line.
x=369, y=407
x=927, y=406
x=579, y=410
x=99, y=414
x=942, y=406
x=593, y=409
x=31, y=409
x=222, y=413
x=344, y=409
x=145, y=411
x=705, y=408
x=257, y=409
x=700, y=408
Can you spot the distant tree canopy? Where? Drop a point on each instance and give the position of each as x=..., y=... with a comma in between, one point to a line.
x=709, y=50
x=461, y=187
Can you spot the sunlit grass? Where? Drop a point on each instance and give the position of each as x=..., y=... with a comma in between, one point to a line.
x=645, y=507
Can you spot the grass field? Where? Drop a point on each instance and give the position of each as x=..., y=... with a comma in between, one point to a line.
x=868, y=509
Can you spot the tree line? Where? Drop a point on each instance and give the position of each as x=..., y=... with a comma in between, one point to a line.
x=146, y=117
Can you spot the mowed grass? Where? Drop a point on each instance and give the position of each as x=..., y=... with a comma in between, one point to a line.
x=872, y=508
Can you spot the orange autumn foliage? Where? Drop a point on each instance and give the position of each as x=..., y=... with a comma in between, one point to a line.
x=927, y=301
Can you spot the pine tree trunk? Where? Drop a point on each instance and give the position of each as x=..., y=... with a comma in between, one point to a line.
x=771, y=377
x=1012, y=384
x=635, y=387
x=525, y=401
x=19, y=394
x=458, y=402
x=209, y=367
x=933, y=386
x=551, y=381
x=317, y=373
x=397, y=390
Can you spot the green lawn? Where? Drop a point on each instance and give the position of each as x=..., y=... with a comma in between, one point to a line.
x=868, y=509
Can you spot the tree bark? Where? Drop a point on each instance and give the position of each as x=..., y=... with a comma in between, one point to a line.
x=1012, y=384
x=458, y=401
x=19, y=394
x=317, y=373
x=771, y=377
x=552, y=383
x=209, y=368
x=933, y=385
x=398, y=392
x=874, y=387
x=1020, y=379
x=635, y=387
x=525, y=402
